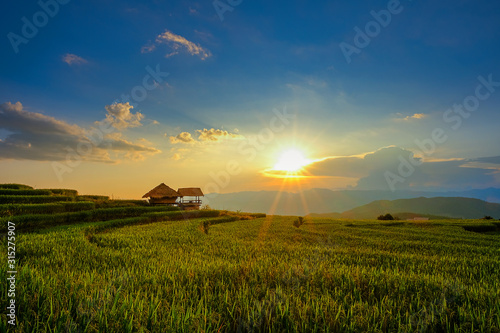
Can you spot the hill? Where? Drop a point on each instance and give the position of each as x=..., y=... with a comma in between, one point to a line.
x=451, y=207
x=322, y=201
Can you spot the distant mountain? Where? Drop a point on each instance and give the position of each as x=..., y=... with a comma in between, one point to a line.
x=452, y=207
x=326, y=201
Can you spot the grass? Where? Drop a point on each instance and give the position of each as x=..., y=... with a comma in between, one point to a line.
x=260, y=275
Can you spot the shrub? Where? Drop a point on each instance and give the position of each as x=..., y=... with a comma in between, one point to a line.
x=92, y=198
x=47, y=208
x=24, y=192
x=63, y=191
x=78, y=206
x=32, y=199
x=125, y=203
x=103, y=214
x=386, y=217
x=16, y=186
x=298, y=222
x=487, y=218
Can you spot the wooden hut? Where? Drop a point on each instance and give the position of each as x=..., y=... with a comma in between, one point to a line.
x=190, y=198
x=162, y=195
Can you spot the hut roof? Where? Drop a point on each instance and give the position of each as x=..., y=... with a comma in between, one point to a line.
x=190, y=192
x=161, y=191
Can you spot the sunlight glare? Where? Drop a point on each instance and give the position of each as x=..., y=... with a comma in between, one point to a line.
x=291, y=161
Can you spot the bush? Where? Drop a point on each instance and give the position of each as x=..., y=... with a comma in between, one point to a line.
x=78, y=206
x=25, y=209
x=480, y=228
x=125, y=203
x=47, y=208
x=24, y=192
x=487, y=218
x=386, y=217
x=103, y=214
x=92, y=198
x=298, y=222
x=32, y=199
x=16, y=186
x=63, y=191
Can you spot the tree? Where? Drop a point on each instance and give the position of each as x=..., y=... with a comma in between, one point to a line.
x=386, y=217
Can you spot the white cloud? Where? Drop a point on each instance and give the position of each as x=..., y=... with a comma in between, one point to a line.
x=148, y=48
x=73, y=59
x=215, y=135
x=120, y=116
x=204, y=135
x=401, y=117
x=183, y=137
x=177, y=44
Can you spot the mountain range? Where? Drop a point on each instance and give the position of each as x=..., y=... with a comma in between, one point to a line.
x=321, y=201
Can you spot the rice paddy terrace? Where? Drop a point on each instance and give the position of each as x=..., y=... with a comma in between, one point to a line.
x=90, y=264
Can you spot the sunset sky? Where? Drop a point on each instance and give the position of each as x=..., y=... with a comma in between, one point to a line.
x=114, y=97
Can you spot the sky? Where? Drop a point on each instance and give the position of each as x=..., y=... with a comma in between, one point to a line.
x=115, y=97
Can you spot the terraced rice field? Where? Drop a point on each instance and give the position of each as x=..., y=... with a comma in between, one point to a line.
x=215, y=274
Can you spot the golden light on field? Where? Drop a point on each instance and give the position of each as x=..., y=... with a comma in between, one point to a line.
x=291, y=161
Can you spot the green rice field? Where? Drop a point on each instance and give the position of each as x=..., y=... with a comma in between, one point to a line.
x=223, y=274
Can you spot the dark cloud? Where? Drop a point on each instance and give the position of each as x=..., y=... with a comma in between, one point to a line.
x=372, y=170
x=34, y=136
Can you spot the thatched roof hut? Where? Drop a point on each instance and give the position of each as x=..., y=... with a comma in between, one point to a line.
x=190, y=192
x=193, y=201
x=162, y=194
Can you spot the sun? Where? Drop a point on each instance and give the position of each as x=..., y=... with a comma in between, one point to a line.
x=291, y=160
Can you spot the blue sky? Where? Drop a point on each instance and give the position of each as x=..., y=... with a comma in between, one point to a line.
x=230, y=74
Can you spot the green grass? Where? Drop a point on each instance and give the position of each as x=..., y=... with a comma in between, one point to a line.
x=261, y=275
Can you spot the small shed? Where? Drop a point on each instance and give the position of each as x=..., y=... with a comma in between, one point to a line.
x=190, y=198
x=162, y=195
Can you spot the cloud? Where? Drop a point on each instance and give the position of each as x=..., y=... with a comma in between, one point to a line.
x=120, y=117
x=73, y=59
x=370, y=170
x=215, y=135
x=35, y=136
x=204, y=135
x=183, y=137
x=412, y=117
x=148, y=48
x=177, y=44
